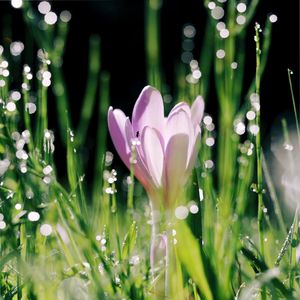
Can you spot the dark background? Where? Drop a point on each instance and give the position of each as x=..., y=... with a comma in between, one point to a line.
x=120, y=24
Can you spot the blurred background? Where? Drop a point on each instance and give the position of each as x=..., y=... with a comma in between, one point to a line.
x=120, y=24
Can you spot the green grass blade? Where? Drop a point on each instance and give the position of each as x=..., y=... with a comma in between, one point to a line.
x=190, y=256
x=91, y=90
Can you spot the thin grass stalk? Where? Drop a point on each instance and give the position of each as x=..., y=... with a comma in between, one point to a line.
x=293, y=257
x=290, y=72
x=26, y=116
x=258, y=145
x=271, y=188
x=152, y=26
x=259, y=185
x=91, y=90
x=103, y=104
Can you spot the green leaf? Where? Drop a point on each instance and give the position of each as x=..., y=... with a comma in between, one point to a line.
x=259, y=265
x=190, y=256
x=129, y=241
x=7, y=258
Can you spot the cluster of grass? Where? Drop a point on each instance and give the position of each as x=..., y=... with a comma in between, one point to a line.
x=75, y=241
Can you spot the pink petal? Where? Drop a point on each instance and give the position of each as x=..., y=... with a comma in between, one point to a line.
x=194, y=153
x=148, y=111
x=197, y=110
x=179, y=123
x=176, y=160
x=140, y=169
x=154, y=154
x=181, y=106
x=116, y=125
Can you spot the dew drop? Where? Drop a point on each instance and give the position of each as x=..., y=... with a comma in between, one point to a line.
x=211, y=5
x=201, y=195
x=220, y=54
x=241, y=20
x=207, y=120
x=47, y=170
x=224, y=33
x=240, y=128
x=16, y=48
x=210, y=141
x=11, y=106
x=189, y=31
x=181, y=212
x=241, y=7
x=16, y=3
x=31, y=108
x=254, y=129
x=44, y=7
x=50, y=18
x=217, y=13
x=33, y=216
x=2, y=225
x=234, y=65
x=220, y=26
x=194, y=209
x=46, y=230
x=47, y=180
x=65, y=16
x=273, y=18
x=209, y=164
x=250, y=115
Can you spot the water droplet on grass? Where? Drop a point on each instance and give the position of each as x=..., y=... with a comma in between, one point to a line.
x=50, y=18
x=181, y=212
x=33, y=216
x=201, y=195
x=241, y=20
x=220, y=53
x=47, y=170
x=241, y=7
x=217, y=13
x=194, y=209
x=65, y=16
x=16, y=48
x=2, y=225
x=46, y=230
x=234, y=65
x=189, y=31
x=11, y=106
x=210, y=141
x=16, y=3
x=44, y=7
x=273, y=18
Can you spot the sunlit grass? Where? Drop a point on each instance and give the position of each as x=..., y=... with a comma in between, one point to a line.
x=72, y=238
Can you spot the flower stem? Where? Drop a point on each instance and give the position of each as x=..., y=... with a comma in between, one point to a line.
x=160, y=255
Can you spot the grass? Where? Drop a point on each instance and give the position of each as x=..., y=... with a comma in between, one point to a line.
x=76, y=239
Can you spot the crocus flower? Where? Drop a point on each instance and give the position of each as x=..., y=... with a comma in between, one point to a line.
x=166, y=147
